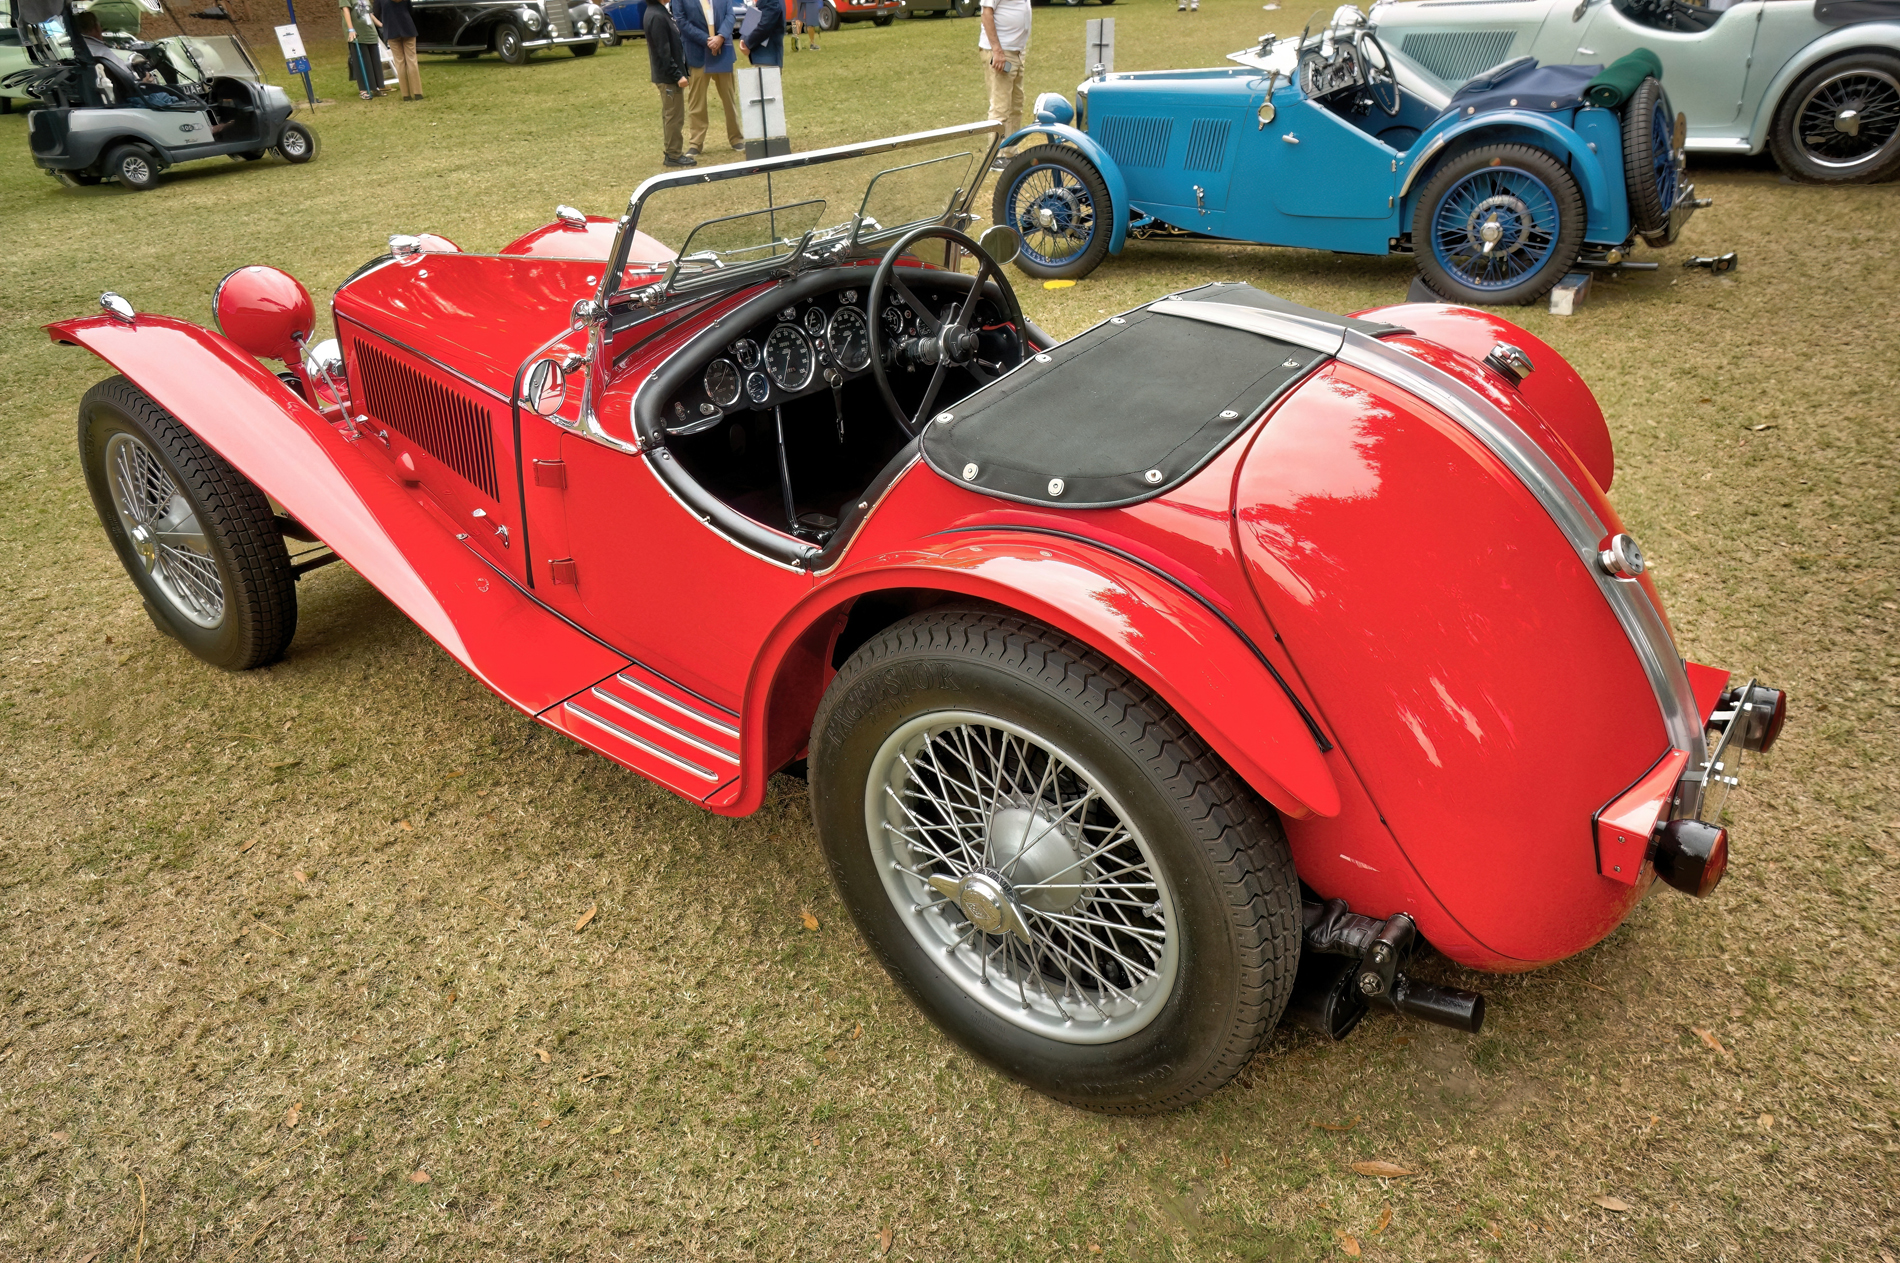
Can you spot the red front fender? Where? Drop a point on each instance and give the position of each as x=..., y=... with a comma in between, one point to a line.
x=515, y=647
x=1161, y=635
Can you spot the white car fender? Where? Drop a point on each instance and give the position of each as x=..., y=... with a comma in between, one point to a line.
x=1862, y=36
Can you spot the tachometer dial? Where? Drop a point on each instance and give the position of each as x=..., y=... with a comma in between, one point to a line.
x=815, y=322
x=722, y=383
x=788, y=357
x=850, y=339
x=746, y=351
x=757, y=388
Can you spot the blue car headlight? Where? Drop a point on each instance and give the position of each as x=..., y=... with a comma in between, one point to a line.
x=1053, y=107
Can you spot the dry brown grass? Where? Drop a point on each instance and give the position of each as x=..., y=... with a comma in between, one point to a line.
x=695, y=1074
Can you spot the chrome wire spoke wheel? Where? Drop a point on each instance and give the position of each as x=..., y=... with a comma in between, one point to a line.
x=1023, y=876
x=1850, y=119
x=164, y=530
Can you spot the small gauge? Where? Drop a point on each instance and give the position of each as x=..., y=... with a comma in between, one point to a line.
x=757, y=388
x=815, y=321
x=746, y=351
x=850, y=297
x=849, y=338
x=722, y=383
x=788, y=357
x=789, y=315
x=894, y=320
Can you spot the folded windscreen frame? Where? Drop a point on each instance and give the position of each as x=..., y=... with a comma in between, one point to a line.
x=1135, y=406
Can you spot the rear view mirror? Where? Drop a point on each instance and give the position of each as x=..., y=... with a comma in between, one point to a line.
x=545, y=389
x=1001, y=242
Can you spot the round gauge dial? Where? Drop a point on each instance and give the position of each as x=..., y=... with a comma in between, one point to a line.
x=746, y=351
x=894, y=320
x=757, y=388
x=722, y=383
x=850, y=339
x=815, y=322
x=789, y=358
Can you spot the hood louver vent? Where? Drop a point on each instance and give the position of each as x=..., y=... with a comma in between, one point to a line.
x=1455, y=56
x=443, y=422
x=1207, y=144
x=1135, y=142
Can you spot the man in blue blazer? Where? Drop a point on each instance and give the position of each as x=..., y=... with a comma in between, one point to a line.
x=764, y=45
x=706, y=28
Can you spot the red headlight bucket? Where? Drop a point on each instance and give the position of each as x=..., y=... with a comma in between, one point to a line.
x=1692, y=856
x=265, y=311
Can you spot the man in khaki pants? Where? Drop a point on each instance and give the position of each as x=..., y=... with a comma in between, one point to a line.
x=706, y=30
x=1004, y=43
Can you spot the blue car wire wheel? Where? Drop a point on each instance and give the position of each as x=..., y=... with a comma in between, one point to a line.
x=1650, y=176
x=1498, y=225
x=1055, y=198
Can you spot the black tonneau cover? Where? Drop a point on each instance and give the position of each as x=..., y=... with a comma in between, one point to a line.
x=1128, y=410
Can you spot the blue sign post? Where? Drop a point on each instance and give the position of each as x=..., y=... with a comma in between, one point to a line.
x=294, y=57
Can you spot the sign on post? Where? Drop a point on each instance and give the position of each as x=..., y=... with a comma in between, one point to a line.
x=762, y=112
x=291, y=41
x=1098, y=56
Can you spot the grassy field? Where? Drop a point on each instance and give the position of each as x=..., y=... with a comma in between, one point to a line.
x=290, y=959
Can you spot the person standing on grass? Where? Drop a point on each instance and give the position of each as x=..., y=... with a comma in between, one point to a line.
x=1004, y=43
x=398, y=23
x=666, y=61
x=811, y=16
x=706, y=31
x=366, y=64
x=764, y=44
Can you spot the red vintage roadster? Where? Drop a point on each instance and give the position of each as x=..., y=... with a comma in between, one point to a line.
x=1151, y=685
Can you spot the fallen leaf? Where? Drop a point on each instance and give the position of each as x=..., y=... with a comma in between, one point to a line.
x=1766, y=1121
x=615, y=1131
x=598, y=1074
x=292, y=1114
x=1348, y=1125
x=278, y=767
x=585, y=918
x=1348, y=1244
x=1093, y=1248
x=1385, y=1221
x=96, y=1253
x=1225, y=1164
x=451, y=997
x=1708, y=1037
x=805, y=915
x=449, y=776
x=248, y=845
x=1613, y=1203
x=418, y=1176
x=1384, y=1170
x=542, y=1053
x=58, y=1136
x=405, y=826
x=884, y=1239
x=302, y=877
x=546, y=1122
x=1066, y=285
x=1759, y=428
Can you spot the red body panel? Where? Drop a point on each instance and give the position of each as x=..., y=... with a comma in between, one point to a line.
x=561, y=240
x=1474, y=675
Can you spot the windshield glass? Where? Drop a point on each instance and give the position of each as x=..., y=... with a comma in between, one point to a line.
x=752, y=216
x=205, y=57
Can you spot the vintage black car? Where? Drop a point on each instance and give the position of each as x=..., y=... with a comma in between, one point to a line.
x=513, y=29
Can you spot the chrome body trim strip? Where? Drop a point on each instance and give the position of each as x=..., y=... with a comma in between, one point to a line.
x=1643, y=624
x=698, y=743
x=607, y=725
x=719, y=724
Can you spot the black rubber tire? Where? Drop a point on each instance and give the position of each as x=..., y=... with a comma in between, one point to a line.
x=1071, y=160
x=297, y=144
x=1568, y=238
x=883, y=19
x=466, y=56
x=251, y=155
x=1795, y=157
x=508, y=44
x=583, y=50
x=134, y=166
x=260, y=592
x=1649, y=213
x=1220, y=848
x=828, y=20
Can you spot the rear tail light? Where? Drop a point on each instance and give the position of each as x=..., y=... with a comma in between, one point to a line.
x=1759, y=714
x=1692, y=855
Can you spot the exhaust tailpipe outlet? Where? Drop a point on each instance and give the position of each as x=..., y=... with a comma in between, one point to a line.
x=1444, y=1006
x=1324, y=997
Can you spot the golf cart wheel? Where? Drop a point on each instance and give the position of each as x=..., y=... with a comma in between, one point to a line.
x=583, y=50
x=508, y=44
x=1056, y=869
x=828, y=18
x=133, y=166
x=76, y=179
x=882, y=19
x=1498, y=225
x=1841, y=123
x=1058, y=201
x=297, y=144
x=1649, y=160
x=199, y=540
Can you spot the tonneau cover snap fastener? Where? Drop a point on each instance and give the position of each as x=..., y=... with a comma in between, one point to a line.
x=1043, y=359
x=1153, y=476
x=969, y=472
x=1228, y=414
x=1055, y=486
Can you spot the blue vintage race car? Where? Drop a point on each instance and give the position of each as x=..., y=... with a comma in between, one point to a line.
x=1336, y=142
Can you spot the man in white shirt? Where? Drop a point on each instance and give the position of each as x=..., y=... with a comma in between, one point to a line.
x=1004, y=44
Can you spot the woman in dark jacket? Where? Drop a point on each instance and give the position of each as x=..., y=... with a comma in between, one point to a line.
x=399, y=32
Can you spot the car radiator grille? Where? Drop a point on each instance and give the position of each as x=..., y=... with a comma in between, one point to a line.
x=1133, y=141
x=443, y=422
x=560, y=22
x=1455, y=56
x=1207, y=144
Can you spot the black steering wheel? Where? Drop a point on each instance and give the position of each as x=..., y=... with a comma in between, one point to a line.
x=942, y=344
x=1383, y=71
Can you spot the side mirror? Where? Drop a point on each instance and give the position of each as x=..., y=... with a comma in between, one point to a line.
x=545, y=389
x=1001, y=242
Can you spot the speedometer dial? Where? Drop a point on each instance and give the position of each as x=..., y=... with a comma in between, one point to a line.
x=850, y=339
x=722, y=383
x=788, y=357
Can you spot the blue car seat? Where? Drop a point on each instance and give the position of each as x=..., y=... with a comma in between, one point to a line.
x=1522, y=84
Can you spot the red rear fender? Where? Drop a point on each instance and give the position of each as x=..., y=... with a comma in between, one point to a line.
x=515, y=647
x=1165, y=637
